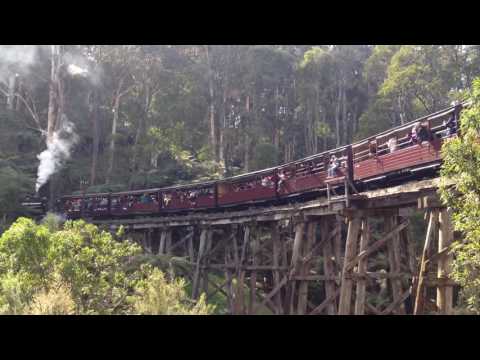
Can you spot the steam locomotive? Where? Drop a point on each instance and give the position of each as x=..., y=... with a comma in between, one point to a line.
x=36, y=205
x=374, y=162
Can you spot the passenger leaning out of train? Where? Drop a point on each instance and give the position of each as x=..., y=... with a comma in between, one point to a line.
x=333, y=166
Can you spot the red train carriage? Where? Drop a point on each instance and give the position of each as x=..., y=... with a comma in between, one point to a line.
x=257, y=186
x=391, y=152
x=196, y=196
x=310, y=174
x=135, y=202
x=89, y=205
x=72, y=206
x=395, y=150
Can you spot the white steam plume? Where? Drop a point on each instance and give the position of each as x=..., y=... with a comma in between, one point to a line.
x=83, y=66
x=75, y=70
x=16, y=58
x=58, y=151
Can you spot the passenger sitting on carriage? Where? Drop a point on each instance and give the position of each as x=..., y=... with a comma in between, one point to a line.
x=267, y=181
x=372, y=148
x=281, y=178
x=310, y=167
x=392, y=144
x=333, y=166
x=145, y=199
x=451, y=126
x=420, y=133
x=192, y=197
x=167, y=198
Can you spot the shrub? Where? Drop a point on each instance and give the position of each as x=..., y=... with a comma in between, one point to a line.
x=156, y=296
x=57, y=300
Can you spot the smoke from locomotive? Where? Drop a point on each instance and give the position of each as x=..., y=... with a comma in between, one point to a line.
x=58, y=151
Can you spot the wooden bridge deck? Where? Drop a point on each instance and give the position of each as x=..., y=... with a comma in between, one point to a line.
x=405, y=195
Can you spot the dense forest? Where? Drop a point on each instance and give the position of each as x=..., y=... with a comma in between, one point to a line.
x=135, y=116
x=115, y=117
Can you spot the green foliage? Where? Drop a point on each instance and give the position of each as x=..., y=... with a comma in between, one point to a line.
x=56, y=300
x=52, y=221
x=302, y=99
x=92, y=262
x=16, y=290
x=77, y=268
x=14, y=185
x=24, y=248
x=157, y=296
x=462, y=166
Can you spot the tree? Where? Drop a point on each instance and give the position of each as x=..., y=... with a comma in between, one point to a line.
x=462, y=165
x=77, y=268
x=315, y=90
x=117, y=63
x=144, y=113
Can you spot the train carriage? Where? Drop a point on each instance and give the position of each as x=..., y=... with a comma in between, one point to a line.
x=389, y=155
x=195, y=196
x=310, y=174
x=135, y=202
x=72, y=206
x=373, y=159
x=256, y=186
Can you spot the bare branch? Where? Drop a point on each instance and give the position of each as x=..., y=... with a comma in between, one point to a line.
x=28, y=107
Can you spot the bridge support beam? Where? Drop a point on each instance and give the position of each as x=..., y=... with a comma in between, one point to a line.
x=350, y=253
x=445, y=239
x=362, y=268
x=300, y=260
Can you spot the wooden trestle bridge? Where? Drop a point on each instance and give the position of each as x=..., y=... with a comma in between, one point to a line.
x=315, y=257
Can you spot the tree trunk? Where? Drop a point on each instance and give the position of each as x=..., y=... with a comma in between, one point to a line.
x=400, y=108
x=344, y=114
x=53, y=96
x=96, y=136
x=354, y=120
x=112, y=140
x=12, y=81
x=116, y=107
x=276, y=129
x=337, y=116
x=56, y=105
x=310, y=136
x=213, y=135
x=141, y=129
x=221, y=146
x=318, y=118
x=246, y=161
x=221, y=130
x=18, y=105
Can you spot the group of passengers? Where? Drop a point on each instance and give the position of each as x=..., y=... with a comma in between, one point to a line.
x=420, y=132
x=277, y=178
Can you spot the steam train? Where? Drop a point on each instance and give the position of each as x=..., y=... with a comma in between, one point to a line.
x=370, y=163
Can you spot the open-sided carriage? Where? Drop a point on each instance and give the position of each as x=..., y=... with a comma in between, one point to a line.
x=392, y=154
